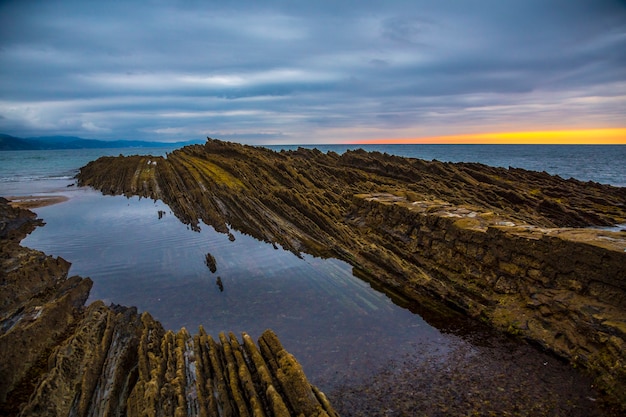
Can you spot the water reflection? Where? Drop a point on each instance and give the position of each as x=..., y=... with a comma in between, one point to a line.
x=367, y=353
x=138, y=256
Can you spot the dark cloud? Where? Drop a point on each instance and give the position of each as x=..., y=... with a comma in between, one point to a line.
x=317, y=72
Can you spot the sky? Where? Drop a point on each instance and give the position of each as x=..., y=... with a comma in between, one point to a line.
x=289, y=72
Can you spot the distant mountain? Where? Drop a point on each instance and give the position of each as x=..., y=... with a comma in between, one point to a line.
x=12, y=143
x=8, y=142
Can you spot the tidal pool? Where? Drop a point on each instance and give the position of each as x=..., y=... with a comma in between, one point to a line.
x=370, y=356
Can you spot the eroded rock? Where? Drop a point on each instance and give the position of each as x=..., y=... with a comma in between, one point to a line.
x=497, y=243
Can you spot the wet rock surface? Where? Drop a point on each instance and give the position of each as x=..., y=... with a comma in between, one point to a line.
x=60, y=357
x=507, y=246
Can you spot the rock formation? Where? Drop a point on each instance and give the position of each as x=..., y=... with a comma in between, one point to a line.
x=60, y=358
x=507, y=246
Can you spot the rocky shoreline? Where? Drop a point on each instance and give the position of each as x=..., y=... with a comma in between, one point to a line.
x=507, y=246
x=60, y=357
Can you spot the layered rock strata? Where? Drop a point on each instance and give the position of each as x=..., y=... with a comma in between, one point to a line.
x=60, y=358
x=562, y=288
x=504, y=245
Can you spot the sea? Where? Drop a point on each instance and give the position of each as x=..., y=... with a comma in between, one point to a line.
x=345, y=333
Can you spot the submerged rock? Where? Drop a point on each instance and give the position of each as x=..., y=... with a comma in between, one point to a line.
x=503, y=245
x=60, y=358
x=209, y=260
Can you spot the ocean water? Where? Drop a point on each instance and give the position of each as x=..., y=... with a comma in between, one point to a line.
x=32, y=172
x=23, y=172
x=342, y=330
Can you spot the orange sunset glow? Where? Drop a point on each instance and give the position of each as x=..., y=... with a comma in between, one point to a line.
x=615, y=136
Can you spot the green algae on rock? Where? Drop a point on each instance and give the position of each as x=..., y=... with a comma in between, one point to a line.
x=502, y=245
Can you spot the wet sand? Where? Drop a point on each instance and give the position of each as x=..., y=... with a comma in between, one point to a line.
x=31, y=202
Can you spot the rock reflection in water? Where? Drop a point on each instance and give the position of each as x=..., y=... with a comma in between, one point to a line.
x=352, y=341
x=325, y=315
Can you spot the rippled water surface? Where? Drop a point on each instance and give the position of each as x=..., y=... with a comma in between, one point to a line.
x=28, y=172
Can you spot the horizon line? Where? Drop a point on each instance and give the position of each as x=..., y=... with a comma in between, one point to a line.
x=608, y=136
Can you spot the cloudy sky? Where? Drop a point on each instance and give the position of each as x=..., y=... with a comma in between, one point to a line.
x=309, y=72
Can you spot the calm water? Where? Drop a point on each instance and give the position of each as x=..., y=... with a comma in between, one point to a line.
x=341, y=330
x=157, y=264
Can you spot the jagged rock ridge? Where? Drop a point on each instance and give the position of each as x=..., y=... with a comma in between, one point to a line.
x=504, y=245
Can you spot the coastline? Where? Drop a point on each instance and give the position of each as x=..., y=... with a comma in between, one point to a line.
x=490, y=242
x=390, y=206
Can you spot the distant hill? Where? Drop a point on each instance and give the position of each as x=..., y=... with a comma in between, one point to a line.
x=12, y=143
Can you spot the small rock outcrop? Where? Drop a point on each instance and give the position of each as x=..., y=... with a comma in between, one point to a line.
x=210, y=262
x=59, y=357
x=508, y=246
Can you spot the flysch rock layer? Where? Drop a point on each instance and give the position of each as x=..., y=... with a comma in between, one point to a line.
x=508, y=246
x=59, y=357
